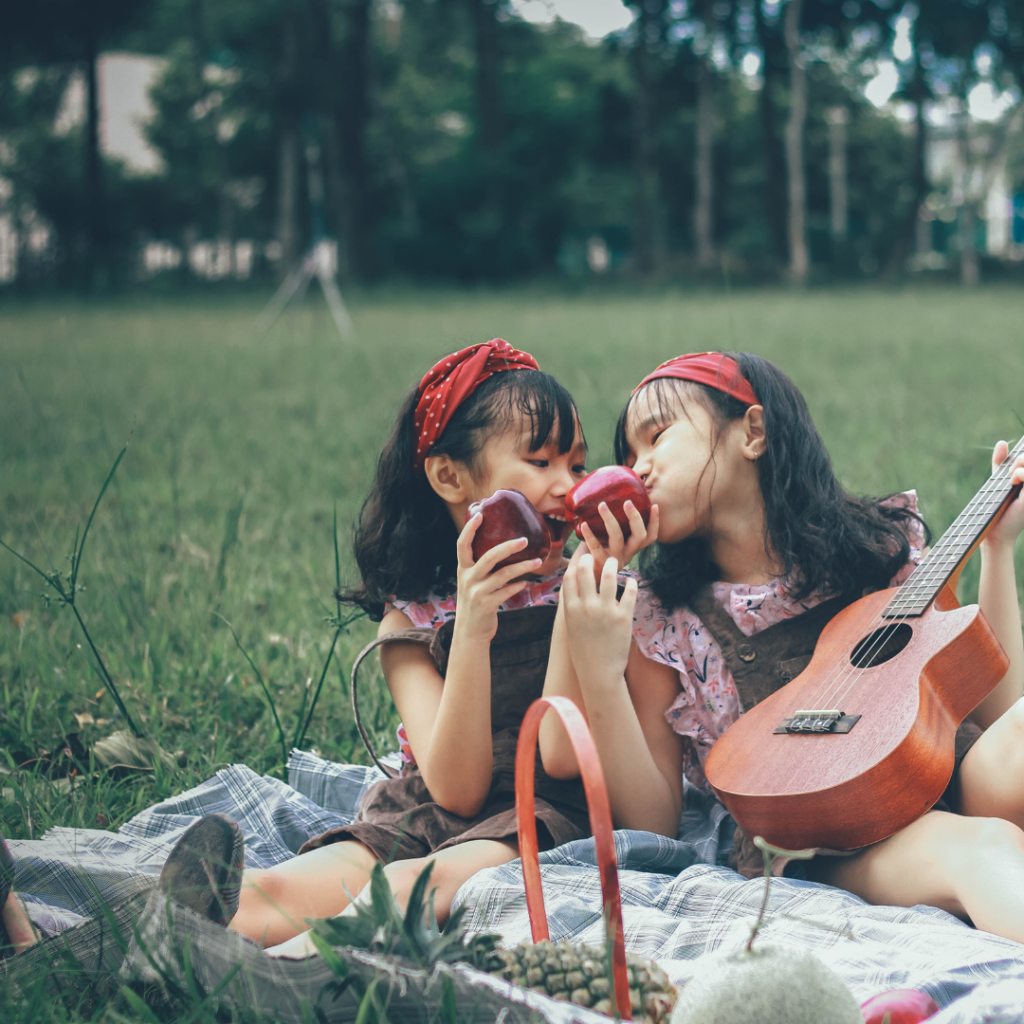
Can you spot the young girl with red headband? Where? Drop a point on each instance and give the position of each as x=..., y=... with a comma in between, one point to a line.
x=758, y=545
x=464, y=649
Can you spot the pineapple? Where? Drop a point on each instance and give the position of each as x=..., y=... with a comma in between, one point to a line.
x=577, y=974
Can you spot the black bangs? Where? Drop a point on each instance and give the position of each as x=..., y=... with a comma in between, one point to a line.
x=538, y=398
x=666, y=398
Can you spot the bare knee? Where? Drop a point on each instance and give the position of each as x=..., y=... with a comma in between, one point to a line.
x=402, y=875
x=263, y=885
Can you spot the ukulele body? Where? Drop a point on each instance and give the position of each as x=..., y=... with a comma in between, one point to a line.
x=845, y=790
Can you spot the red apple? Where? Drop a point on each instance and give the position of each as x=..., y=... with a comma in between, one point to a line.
x=508, y=515
x=612, y=484
x=901, y=1006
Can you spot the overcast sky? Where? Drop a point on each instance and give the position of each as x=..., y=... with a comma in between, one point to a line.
x=596, y=17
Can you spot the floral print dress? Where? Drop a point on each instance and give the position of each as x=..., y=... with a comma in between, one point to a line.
x=708, y=702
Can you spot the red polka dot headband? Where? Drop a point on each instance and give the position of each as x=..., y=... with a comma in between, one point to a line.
x=714, y=369
x=451, y=381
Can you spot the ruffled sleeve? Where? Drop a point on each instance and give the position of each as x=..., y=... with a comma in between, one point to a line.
x=915, y=534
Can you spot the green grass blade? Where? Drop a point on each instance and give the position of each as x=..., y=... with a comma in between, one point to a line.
x=337, y=556
x=105, y=675
x=77, y=557
x=32, y=566
x=303, y=726
x=266, y=691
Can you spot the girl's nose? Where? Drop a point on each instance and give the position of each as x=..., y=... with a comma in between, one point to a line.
x=642, y=468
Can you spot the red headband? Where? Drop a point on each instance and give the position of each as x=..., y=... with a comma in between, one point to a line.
x=711, y=368
x=450, y=382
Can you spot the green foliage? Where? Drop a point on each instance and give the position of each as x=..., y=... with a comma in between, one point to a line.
x=910, y=388
x=380, y=927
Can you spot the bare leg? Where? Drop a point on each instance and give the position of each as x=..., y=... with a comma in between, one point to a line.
x=992, y=773
x=971, y=867
x=20, y=932
x=452, y=867
x=274, y=903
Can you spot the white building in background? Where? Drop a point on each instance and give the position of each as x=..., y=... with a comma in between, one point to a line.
x=124, y=81
x=1001, y=208
x=125, y=107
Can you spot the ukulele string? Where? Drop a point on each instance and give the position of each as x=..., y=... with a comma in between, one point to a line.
x=924, y=578
x=929, y=573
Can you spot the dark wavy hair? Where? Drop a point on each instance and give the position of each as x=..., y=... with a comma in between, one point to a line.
x=824, y=537
x=405, y=538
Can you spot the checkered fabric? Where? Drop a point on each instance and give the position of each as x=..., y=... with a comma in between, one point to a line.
x=680, y=905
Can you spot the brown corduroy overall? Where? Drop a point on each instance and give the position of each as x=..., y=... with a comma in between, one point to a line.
x=398, y=819
x=761, y=664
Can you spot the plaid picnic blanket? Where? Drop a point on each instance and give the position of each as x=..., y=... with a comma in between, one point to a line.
x=679, y=903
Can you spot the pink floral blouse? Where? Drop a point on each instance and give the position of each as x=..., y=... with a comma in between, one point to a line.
x=708, y=702
x=435, y=611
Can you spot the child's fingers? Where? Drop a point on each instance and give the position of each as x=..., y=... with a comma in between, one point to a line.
x=585, y=582
x=570, y=591
x=509, y=590
x=611, y=524
x=508, y=573
x=489, y=559
x=464, y=545
x=594, y=546
x=609, y=581
x=652, y=526
x=999, y=453
x=628, y=600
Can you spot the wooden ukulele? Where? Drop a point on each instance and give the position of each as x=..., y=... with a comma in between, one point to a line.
x=860, y=744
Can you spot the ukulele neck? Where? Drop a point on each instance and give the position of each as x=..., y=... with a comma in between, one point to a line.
x=946, y=557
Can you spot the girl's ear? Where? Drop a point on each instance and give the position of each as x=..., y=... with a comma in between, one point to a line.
x=754, y=439
x=449, y=479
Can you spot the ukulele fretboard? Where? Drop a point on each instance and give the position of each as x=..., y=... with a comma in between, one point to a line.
x=924, y=584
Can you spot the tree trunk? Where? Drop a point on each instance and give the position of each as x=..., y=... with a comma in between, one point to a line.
x=703, y=211
x=288, y=153
x=489, y=122
x=338, y=195
x=838, y=118
x=648, y=223
x=95, y=221
x=352, y=117
x=970, y=270
x=897, y=261
x=799, y=258
x=287, y=196
x=774, y=157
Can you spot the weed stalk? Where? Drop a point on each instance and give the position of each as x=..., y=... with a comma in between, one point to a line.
x=66, y=588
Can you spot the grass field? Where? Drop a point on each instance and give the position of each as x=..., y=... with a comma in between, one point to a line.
x=241, y=445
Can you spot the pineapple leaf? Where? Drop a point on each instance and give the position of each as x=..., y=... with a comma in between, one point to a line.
x=347, y=930
x=414, y=909
x=386, y=913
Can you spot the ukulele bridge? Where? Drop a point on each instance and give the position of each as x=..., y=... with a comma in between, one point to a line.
x=818, y=721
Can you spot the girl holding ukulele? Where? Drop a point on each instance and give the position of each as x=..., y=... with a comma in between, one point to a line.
x=754, y=534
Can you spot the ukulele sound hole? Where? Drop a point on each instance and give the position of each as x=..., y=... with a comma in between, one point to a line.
x=881, y=645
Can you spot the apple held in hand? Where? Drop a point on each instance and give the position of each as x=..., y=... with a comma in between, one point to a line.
x=612, y=484
x=508, y=515
x=901, y=1006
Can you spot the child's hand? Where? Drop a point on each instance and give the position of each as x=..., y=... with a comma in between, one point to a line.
x=621, y=550
x=599, y=627
x=1007, y=528
x=480, y=589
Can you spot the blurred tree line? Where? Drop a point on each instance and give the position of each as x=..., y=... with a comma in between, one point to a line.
x=451, y=139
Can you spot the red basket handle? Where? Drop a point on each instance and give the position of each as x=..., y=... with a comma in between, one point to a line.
x=600, y=824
